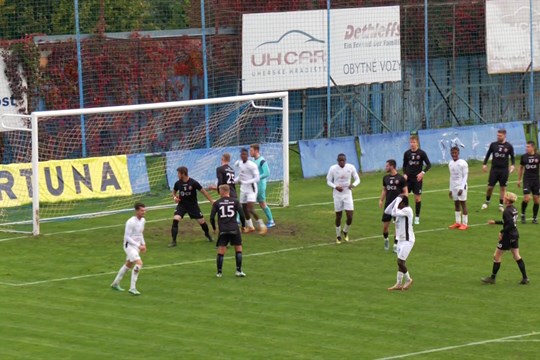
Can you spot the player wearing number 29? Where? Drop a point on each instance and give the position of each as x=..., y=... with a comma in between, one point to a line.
x=339, y=178
x=133, y=245
x=225, y=175
x=227, y=209
x=508, y=240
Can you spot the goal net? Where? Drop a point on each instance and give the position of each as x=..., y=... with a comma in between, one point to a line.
x=99, y=161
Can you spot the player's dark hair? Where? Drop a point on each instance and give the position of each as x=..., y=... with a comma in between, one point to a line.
x=255, y=147
x=342, y=154
x=405, y=201
x=454, y=148
x=139, y=205
x=502, y=131
x=182, y=170
x=226, y=157
x=391, y=162
x=532, y=143
x=244, y=150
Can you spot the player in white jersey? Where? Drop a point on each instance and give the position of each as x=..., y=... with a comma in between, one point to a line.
x=402, y=212
x=248, y=178
x=459, y=172
x=133, y=245
x=339, y=178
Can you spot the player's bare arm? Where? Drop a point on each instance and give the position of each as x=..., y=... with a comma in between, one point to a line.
x=520, y=176
x=383, y=196
x=207, y=196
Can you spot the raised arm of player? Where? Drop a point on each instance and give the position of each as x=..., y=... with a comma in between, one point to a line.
x=395, y=209
x=265, y=170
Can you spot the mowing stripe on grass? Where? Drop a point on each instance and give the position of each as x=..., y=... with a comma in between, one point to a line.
x=449, y=348
x=264, y=253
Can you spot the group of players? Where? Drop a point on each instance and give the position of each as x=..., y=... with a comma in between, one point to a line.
x=253, y=177
x=393, y=199
x=396, y=188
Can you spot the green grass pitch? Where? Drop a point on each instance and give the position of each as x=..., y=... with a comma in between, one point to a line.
x=303, y=298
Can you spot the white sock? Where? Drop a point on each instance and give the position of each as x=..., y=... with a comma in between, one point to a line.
x=261, y=223
x=135, y=276
x=458, y=217
x=406, y=276
x=123, y=270
x=346, y=228
x=465, y=219
x=338, y=230
x=399, y=279
x=249, y=223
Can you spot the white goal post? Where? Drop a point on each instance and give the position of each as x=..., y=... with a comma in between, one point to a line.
x=98, y=161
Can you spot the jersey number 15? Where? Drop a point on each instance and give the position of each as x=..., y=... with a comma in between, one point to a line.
x=226, y=211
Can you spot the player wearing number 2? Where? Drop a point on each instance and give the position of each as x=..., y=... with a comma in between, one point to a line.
x=227, y=209
x=508, y=240
x=133, y=245
x=339, y=178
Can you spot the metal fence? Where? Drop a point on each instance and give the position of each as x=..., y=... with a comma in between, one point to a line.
x=87, y=53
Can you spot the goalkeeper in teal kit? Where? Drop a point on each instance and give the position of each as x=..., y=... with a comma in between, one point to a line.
x=264, y=171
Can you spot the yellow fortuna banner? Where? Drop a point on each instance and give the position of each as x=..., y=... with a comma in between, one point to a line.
x=65, y=180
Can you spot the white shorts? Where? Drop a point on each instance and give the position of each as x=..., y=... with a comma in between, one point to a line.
x=132, y=254
x=248, y=195
x=462, y=197
x=343, y=203
x=404, y=249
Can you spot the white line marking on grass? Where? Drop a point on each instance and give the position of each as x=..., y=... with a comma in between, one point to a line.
x=448, y=348
x=272, y=252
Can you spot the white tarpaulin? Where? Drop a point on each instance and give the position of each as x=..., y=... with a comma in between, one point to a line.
x=289, y=50
x=508, y=35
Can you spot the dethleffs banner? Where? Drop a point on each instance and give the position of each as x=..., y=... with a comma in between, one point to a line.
x=65, y=180
x=508, y=35
x=289, y=50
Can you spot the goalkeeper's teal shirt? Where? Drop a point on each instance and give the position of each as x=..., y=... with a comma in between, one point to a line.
x=264, y=170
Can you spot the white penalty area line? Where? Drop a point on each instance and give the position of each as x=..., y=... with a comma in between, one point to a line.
x=449, y=348
x=264, y=253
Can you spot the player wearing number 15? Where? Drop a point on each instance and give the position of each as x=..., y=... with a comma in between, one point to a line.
x=227, y=209
x=339, y=178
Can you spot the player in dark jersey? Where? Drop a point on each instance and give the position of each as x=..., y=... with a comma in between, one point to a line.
x=501, y=150
x=529, y=172
x=394, y=185
x=185, y=195
x=225, y=175
x=414, y=171
x=508, y=240
x=227, y=209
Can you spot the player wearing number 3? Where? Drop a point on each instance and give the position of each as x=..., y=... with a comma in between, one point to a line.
x=227, y=208
x=339, y=179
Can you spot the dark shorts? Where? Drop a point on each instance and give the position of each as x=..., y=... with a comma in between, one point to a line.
x=414, y=186
x=386, y=217
x=508, y=243
x=235, y=239
x=194, y=212
x=499, y=175
x=531, y=187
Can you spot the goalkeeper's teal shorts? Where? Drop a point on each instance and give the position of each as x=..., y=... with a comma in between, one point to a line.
x=261, y=193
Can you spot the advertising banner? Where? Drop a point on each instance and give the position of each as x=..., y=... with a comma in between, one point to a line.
x=289, y=50
x=508, y=35
x=8, y=104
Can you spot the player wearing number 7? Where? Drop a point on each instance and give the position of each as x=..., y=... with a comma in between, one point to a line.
x=227, y=208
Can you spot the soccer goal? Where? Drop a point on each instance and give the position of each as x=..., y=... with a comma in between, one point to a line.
x=99, y=161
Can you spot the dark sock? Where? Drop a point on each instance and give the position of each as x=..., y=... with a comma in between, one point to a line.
x=238, y=261
x=488, y=198
x=219, y=262
x=418, y=208
x=204, y=227
x=385, y=234
x=496, y=267
x=521, y=266
x=395, y=241
x=535, y=210
x=174, y=230
x=523, y=207
x=501, y=202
